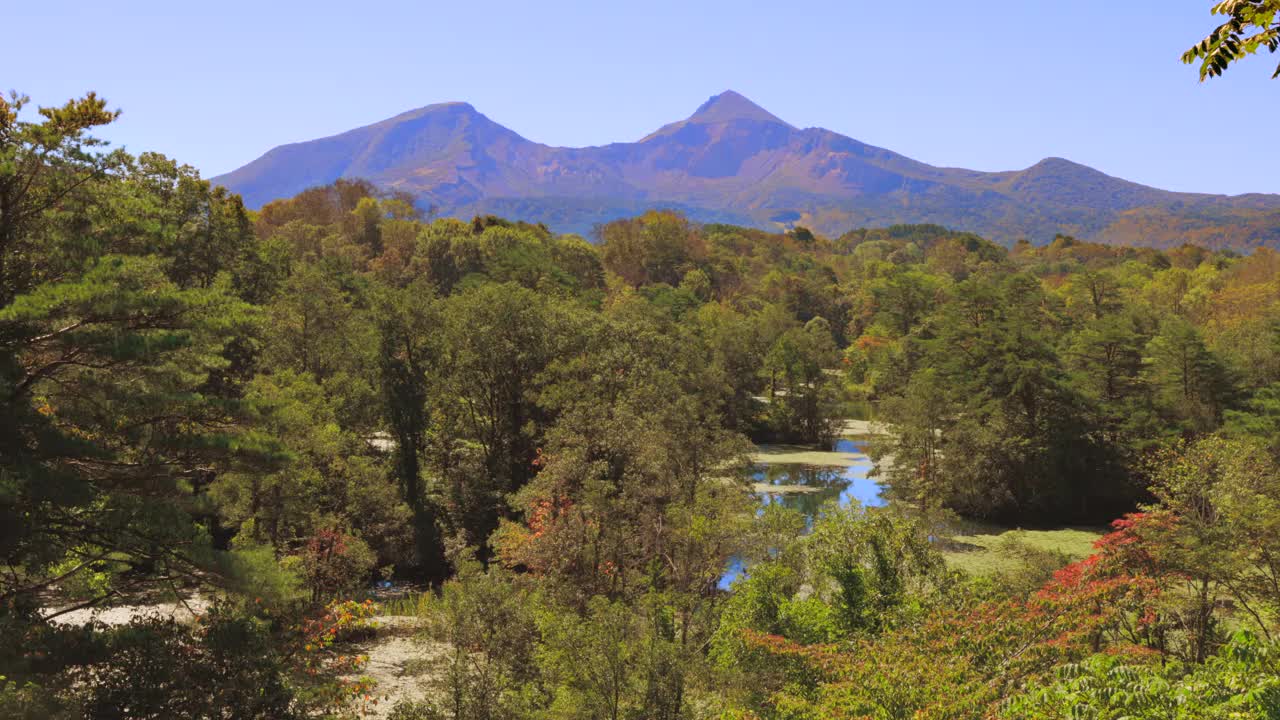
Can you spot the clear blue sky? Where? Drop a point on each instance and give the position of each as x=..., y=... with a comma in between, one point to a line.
x=990, y=85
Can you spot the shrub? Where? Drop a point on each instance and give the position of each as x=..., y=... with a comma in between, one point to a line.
x=335, y=563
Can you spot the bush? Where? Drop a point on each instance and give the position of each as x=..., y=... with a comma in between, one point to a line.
x=335, y=563
x=226, y=666
x=1241, y=683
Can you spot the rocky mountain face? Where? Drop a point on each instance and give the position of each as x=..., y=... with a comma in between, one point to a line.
x=733, y=161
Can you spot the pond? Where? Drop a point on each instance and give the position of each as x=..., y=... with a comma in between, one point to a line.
x=807, y=487
x=805, y=481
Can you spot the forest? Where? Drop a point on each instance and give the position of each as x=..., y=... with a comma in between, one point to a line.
x=550, y=441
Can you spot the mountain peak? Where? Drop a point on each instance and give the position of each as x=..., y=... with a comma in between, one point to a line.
x=1062, y=168
x=730, y=105
x=1058, y=163
x=440, y=109
x=454, y=106
x=732, y=161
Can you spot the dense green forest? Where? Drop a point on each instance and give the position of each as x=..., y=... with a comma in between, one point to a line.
x=552, y=439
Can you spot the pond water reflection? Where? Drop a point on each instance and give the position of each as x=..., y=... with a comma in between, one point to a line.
x=807, y=488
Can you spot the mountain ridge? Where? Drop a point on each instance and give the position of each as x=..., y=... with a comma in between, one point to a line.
x=732, y=160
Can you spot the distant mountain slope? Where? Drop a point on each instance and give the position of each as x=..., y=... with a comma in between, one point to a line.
x=733, y=161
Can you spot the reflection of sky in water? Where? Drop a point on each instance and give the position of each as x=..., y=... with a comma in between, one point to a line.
x=846, y=484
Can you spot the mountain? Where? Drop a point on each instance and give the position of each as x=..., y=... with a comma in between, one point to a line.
x=733, y=161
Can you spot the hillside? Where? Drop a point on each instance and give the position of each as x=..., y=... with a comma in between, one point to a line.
x=733, y=161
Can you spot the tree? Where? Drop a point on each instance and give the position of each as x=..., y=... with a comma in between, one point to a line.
x=163, y=208
x=408, y=323
x=1191, y=386
x=497, y=341
x=318, y=328
x=804, y=397
x=1105, y=356
x=736, y=343
x=1015, y=438
x=1212, y=536
x=313, y=326
x=636, y=470
x=916, y=474
x=333, y=482
x=491, y=631
x=602, y=665
x=639, y=503
x=43, y=165
x=905, y=298
x=108, y=443
x=860, y=574
x=657, y=247
x=1258, y=419
x=883, y=567
x=1251, y=25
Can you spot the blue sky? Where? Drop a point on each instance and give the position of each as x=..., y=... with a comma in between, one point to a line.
x=990, y=85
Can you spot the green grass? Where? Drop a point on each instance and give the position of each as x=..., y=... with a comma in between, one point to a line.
x=979, y=554
x=407, y=605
